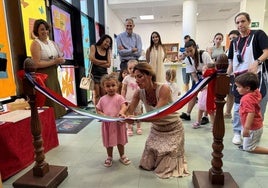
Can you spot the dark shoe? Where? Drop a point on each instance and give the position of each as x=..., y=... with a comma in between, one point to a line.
x=185, y=116
x=241, y=147
x=204, y=120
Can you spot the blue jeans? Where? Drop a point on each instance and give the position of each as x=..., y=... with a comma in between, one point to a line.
x=237, y=126
x=265, y=98
x=185, y=76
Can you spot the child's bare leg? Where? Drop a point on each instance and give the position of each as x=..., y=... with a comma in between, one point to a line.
x=197, y=124
x=110, y=151
x=139, y=130
x=123, y=158
x=130, y=129
x=121, y=149
x=109, y=161
x=200, y=115
x=138, y=124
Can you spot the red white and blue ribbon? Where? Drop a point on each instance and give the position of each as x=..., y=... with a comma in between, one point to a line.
x=155, y=114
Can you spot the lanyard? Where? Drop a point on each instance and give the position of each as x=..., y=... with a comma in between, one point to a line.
x=244, y=47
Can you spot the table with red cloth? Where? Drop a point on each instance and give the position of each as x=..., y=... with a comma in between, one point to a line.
x=16, y=142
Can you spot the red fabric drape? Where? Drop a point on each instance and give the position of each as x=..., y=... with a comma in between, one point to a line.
x=16, y=142
x=211, y=107
x=40, y=79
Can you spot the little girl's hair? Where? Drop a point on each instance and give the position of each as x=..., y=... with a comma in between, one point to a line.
x=171, y=75
x=109, y=77
x=132, y=61
x=120, y=76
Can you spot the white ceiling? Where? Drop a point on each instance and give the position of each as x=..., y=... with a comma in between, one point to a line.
x=171, y=10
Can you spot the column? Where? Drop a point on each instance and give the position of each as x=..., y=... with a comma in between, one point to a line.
x=256, y=10
x=189, y=19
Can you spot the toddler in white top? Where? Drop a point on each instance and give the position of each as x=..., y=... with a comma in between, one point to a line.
x=171, y=81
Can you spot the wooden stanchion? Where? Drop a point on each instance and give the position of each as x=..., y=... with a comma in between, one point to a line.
x=215, y=177
x=42, y=174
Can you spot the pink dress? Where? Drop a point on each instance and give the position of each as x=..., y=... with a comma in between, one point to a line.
x=113, y=133
x=132, y=86
x=202, y=99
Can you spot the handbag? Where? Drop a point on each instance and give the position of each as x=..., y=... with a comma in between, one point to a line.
x=87, y=82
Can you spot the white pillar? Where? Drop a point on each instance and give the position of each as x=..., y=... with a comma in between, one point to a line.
x=189, y=19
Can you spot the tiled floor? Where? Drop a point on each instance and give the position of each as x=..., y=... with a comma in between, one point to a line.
x=84, y=155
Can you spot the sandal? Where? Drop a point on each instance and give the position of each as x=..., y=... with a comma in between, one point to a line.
x=139, y=131
x=196, y=125
x=129, y=132
x=108, y=162
x=124, y=160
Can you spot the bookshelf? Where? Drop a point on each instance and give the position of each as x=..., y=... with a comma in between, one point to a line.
x=172, y=50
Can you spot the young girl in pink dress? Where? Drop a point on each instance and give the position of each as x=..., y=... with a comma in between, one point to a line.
x=202, y=102
x=113, y=133
x=129, y=87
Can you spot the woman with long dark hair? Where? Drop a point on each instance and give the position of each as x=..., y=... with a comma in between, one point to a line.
x=100, y=57
x=155, y=56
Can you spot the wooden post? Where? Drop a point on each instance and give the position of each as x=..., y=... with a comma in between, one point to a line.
x=222, y=87
x=42, y=174
x=215, y=176
x=41, y=167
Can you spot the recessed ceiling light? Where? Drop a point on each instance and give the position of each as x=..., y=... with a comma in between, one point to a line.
x=147, y=17
x=225, y=10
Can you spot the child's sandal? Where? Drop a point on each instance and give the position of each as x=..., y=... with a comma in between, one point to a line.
x=124, y=160
x=108, y=162
x=196, y=125
x=139, y=131
x=129, y=132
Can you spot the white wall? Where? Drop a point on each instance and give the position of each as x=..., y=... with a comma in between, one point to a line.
x=265, y=28
x=169, y=32
x=113, y=23
x=172, y=32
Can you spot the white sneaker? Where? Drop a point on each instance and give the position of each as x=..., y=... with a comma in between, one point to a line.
x=236, y=139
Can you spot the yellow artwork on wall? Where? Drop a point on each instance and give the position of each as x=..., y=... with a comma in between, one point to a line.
x=7, y=82
x=60, y=20
x=31, y=10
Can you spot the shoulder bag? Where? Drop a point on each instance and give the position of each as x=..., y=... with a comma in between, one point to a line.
x=87, y=82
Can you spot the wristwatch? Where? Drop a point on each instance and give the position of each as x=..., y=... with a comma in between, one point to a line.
x=259, y=62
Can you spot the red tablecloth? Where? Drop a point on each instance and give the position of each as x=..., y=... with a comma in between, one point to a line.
x=16, y=147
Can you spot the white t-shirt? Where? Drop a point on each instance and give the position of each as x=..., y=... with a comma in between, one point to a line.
x=132, y=86
x=174, y=90
x=190, y=68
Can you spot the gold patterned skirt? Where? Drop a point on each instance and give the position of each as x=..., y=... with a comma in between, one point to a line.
x=164, y=151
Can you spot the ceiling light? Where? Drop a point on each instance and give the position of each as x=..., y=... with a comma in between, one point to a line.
x=147, y=17
x=225, y=10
